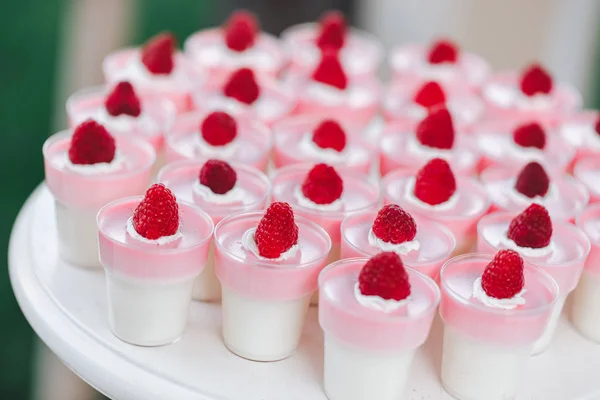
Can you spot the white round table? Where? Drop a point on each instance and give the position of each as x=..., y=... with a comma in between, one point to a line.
x=66, y=306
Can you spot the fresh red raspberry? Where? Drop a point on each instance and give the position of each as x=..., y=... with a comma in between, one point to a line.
x=332, y=32
x=384, y=276
x=532, y=228
x=443, y=51
x=430, y=94
x=535, y=80
x=91, y=144
x=435, y=182
x=394, y=225
x=503, y=277
x=218, y=128
x=330, y=135
x=277, y=231
x=322, y=185
x=158, y=54
x=532, y=181
x=530, y=135
x=123, y=100
x=242, y=86
x=330, y=71
x=218, y=176
x=241, y=30
x=158, y=213
x=436, y=129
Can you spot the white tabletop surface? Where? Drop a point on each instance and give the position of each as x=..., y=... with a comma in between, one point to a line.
x=67, y=308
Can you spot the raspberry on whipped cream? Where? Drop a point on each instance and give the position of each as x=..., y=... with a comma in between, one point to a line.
x=532, y=228
x=532, y=181
x=430, y=94
x=240, y=31
x=443, y=52
x=502, y=282
x=435, y=183
x=394, y=230
x=158, y=54
x=157, y=215
x=277, y=231
x=322, y=186
x=332, y=31
x=330, y=135
x=330, y=71
x=91, y=144
x=436, y=129
x=122, y=100
x=535, y=80
x=530, y=135
x=242, y=86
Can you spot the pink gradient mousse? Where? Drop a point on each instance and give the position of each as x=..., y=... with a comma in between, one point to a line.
x=587, y=171
x=566, y=198
x=251, y=146
x=579, y=130
x=436, y=243
x=460, y=218
x=294, y=145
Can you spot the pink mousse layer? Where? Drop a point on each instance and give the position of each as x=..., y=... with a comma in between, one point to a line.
x=410, y=61
x=206, y=48
x=589, y=222
x=562, y=100
x=123, y=254
x=93, y=191
x=265, y=279
x=182, y=176
x=436, y=243
x=564, y=263
x=566, y=197
x=252, y=143
x=587, y=171
x=341, y=315
x=358, y=195
x=291, y=134
x=157, y=114
x=522, y=325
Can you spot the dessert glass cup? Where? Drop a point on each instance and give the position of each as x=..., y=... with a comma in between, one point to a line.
x=251, y=146
x=579, y=130
x=566, y=197
x=126, y=65
x=149, y=283
x=585, y=305
x=265, y=300
x=494, y=141
x=564, y=263
x=156, y=118
x=470, y=204
x=360, y=57
x=399, y=148
x=504, y=100
x=398, y=103
x=486, y=349
x=587, y=171
x=208, y=50
x=436, y=243
x=410, y=62
x=273, y=103
x=253, y=187
x=294, y=145
x=78, y=195
x=369, y=353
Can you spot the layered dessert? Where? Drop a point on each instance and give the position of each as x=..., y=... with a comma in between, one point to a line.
x=242, y=93
x=406, y=145
x=558, y=248
x=532, y=94
x=86, y=168
x=513, y=189
x=424, y=245
x=217, y=134
x=587, y=171
x=360, y=52
x=585, y=307
x=312, y=139
x=238, y=43
x=434, y=193
x=152, y=257
x=268, y=265
x=156, y=68
x=441, y=60
x=493, y=309
x=375, y=314
x=221, y=189
x=410, y=100
x=515, y=142
x=582, y=131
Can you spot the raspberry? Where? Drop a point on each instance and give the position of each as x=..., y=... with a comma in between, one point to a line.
x=158, y=213
x=242, y=86
x=532, y=228
x=218, y=128
x=532, y=181
x=332, y=31
x=435, y=182
x=240, y=30
x=535, y=80
x=322, y=185
x=394, y=225
x=443, y=51
x=597, y=125
x=330, y=71
x=123, y=100
x=430, y=94
x=277, y=231
x=530, y=135
x=91, y=144
x=157, y=55
x=436, y=129
x=503, y=277
x=218, y=176
x=330, y=135
x=384, y=276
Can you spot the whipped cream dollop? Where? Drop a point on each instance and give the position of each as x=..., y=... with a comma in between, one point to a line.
x=307, y=203
x=160, y=241
x=249, y=244
x=505, y=304
x=502, y=146
x=445, y=206
x=506, y=96
x=123, y=122
x=353, y=97
x=400, y=248
x=236, y=195
x=426, y=152
x=526, y=251
x=136, y=71
x=331, y=156
x=378, y=303
x=550, y=197
x=226, y=151
x=578, y=134
x=117, y=164
x=218, y=54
